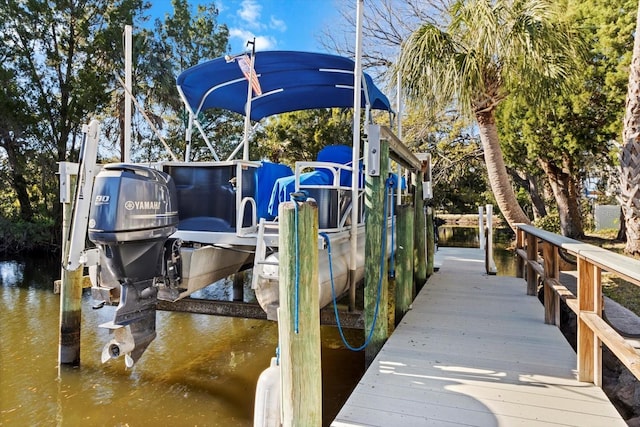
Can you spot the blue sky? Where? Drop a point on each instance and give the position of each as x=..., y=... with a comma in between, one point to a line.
x=276, y=24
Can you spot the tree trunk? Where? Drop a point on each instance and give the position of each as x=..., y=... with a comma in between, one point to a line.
x=539, y=209
x=566, y=196
x=630, y=153
x=530, y=182
x=498, y=176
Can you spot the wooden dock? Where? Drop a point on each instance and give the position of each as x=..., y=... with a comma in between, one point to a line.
x=475, y=351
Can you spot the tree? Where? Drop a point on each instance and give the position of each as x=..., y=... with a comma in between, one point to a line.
x=569, y=137
x=386, y=25
x=181, y=40
x=300, y=135
x=57, y=59
x=489, y=50
x=630, y=153
x=14, y=119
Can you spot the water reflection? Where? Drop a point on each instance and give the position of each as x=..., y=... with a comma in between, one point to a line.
x=467, y=237
x=200, y=370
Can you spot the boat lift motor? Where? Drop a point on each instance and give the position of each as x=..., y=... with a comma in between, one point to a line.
x=133, y=213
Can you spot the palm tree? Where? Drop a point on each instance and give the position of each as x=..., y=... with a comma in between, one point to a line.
x=630, y=154
x=489, y=50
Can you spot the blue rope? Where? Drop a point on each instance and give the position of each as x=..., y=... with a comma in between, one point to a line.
x=333, y=289
x=296, y=307
x=300, y=196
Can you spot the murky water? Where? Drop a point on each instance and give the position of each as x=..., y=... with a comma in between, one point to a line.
x=462, y=236
x=200, y=370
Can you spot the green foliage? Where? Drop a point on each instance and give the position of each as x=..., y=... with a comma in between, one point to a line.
x=489, y=50
x=58, y=62
x=573, y=130
x=302, y=134
x=458, y=170
x=18, y=236
x=181, y=40
x=550, y=222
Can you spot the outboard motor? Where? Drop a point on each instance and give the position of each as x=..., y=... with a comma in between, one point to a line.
x=133, y=213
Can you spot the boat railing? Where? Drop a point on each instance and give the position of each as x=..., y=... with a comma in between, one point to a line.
x=333, y=197
x=242, y=199
x=335, y=169
x=587, y=304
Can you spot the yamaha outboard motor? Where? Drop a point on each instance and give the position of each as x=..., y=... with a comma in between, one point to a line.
x=133, y=213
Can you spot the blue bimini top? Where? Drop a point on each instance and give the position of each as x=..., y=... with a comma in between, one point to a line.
x=290, y=81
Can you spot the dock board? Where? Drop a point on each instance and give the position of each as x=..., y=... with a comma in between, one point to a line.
x=474, y=351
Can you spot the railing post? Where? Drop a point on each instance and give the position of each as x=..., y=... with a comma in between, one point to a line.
x=299, y=316
x=532, y=256
x=551, y=271
x=520, y=236
x=589, y=300
x=481, y=226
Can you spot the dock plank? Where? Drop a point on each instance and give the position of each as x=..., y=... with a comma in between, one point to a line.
x=474, y=351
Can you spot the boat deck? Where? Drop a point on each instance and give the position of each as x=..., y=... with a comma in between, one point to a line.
x=475, y=351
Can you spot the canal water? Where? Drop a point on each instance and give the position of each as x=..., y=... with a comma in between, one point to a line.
x=200, y=370
x=463, y=236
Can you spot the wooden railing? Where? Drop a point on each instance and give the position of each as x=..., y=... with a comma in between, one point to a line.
x=591, y=260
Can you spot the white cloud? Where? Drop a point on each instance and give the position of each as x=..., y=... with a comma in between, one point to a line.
x=266, y=43
x=250, y=12
x=243, y=36
x=277, y=24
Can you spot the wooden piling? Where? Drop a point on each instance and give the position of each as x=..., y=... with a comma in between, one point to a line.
x=238, y=286
x=431, y=242
x=300, y=361
x=420, y=247
x=375, y=189
x=405, y=289
x=71, y=283
x=71, y=286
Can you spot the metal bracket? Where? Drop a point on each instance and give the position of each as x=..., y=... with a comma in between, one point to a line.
x=373, y=155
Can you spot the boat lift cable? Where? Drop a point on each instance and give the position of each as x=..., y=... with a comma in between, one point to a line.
x=149, y=122
x=333, y=289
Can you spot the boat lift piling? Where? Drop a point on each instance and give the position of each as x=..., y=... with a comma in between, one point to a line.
x=420, y=248
x=375, y=271
x=405, y=288
x=70, y=288
x=298, y=315
x=431, y=242
x=74, y=240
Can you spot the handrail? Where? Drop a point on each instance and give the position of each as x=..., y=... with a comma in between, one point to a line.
x=400, y=152
x=591, y=261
